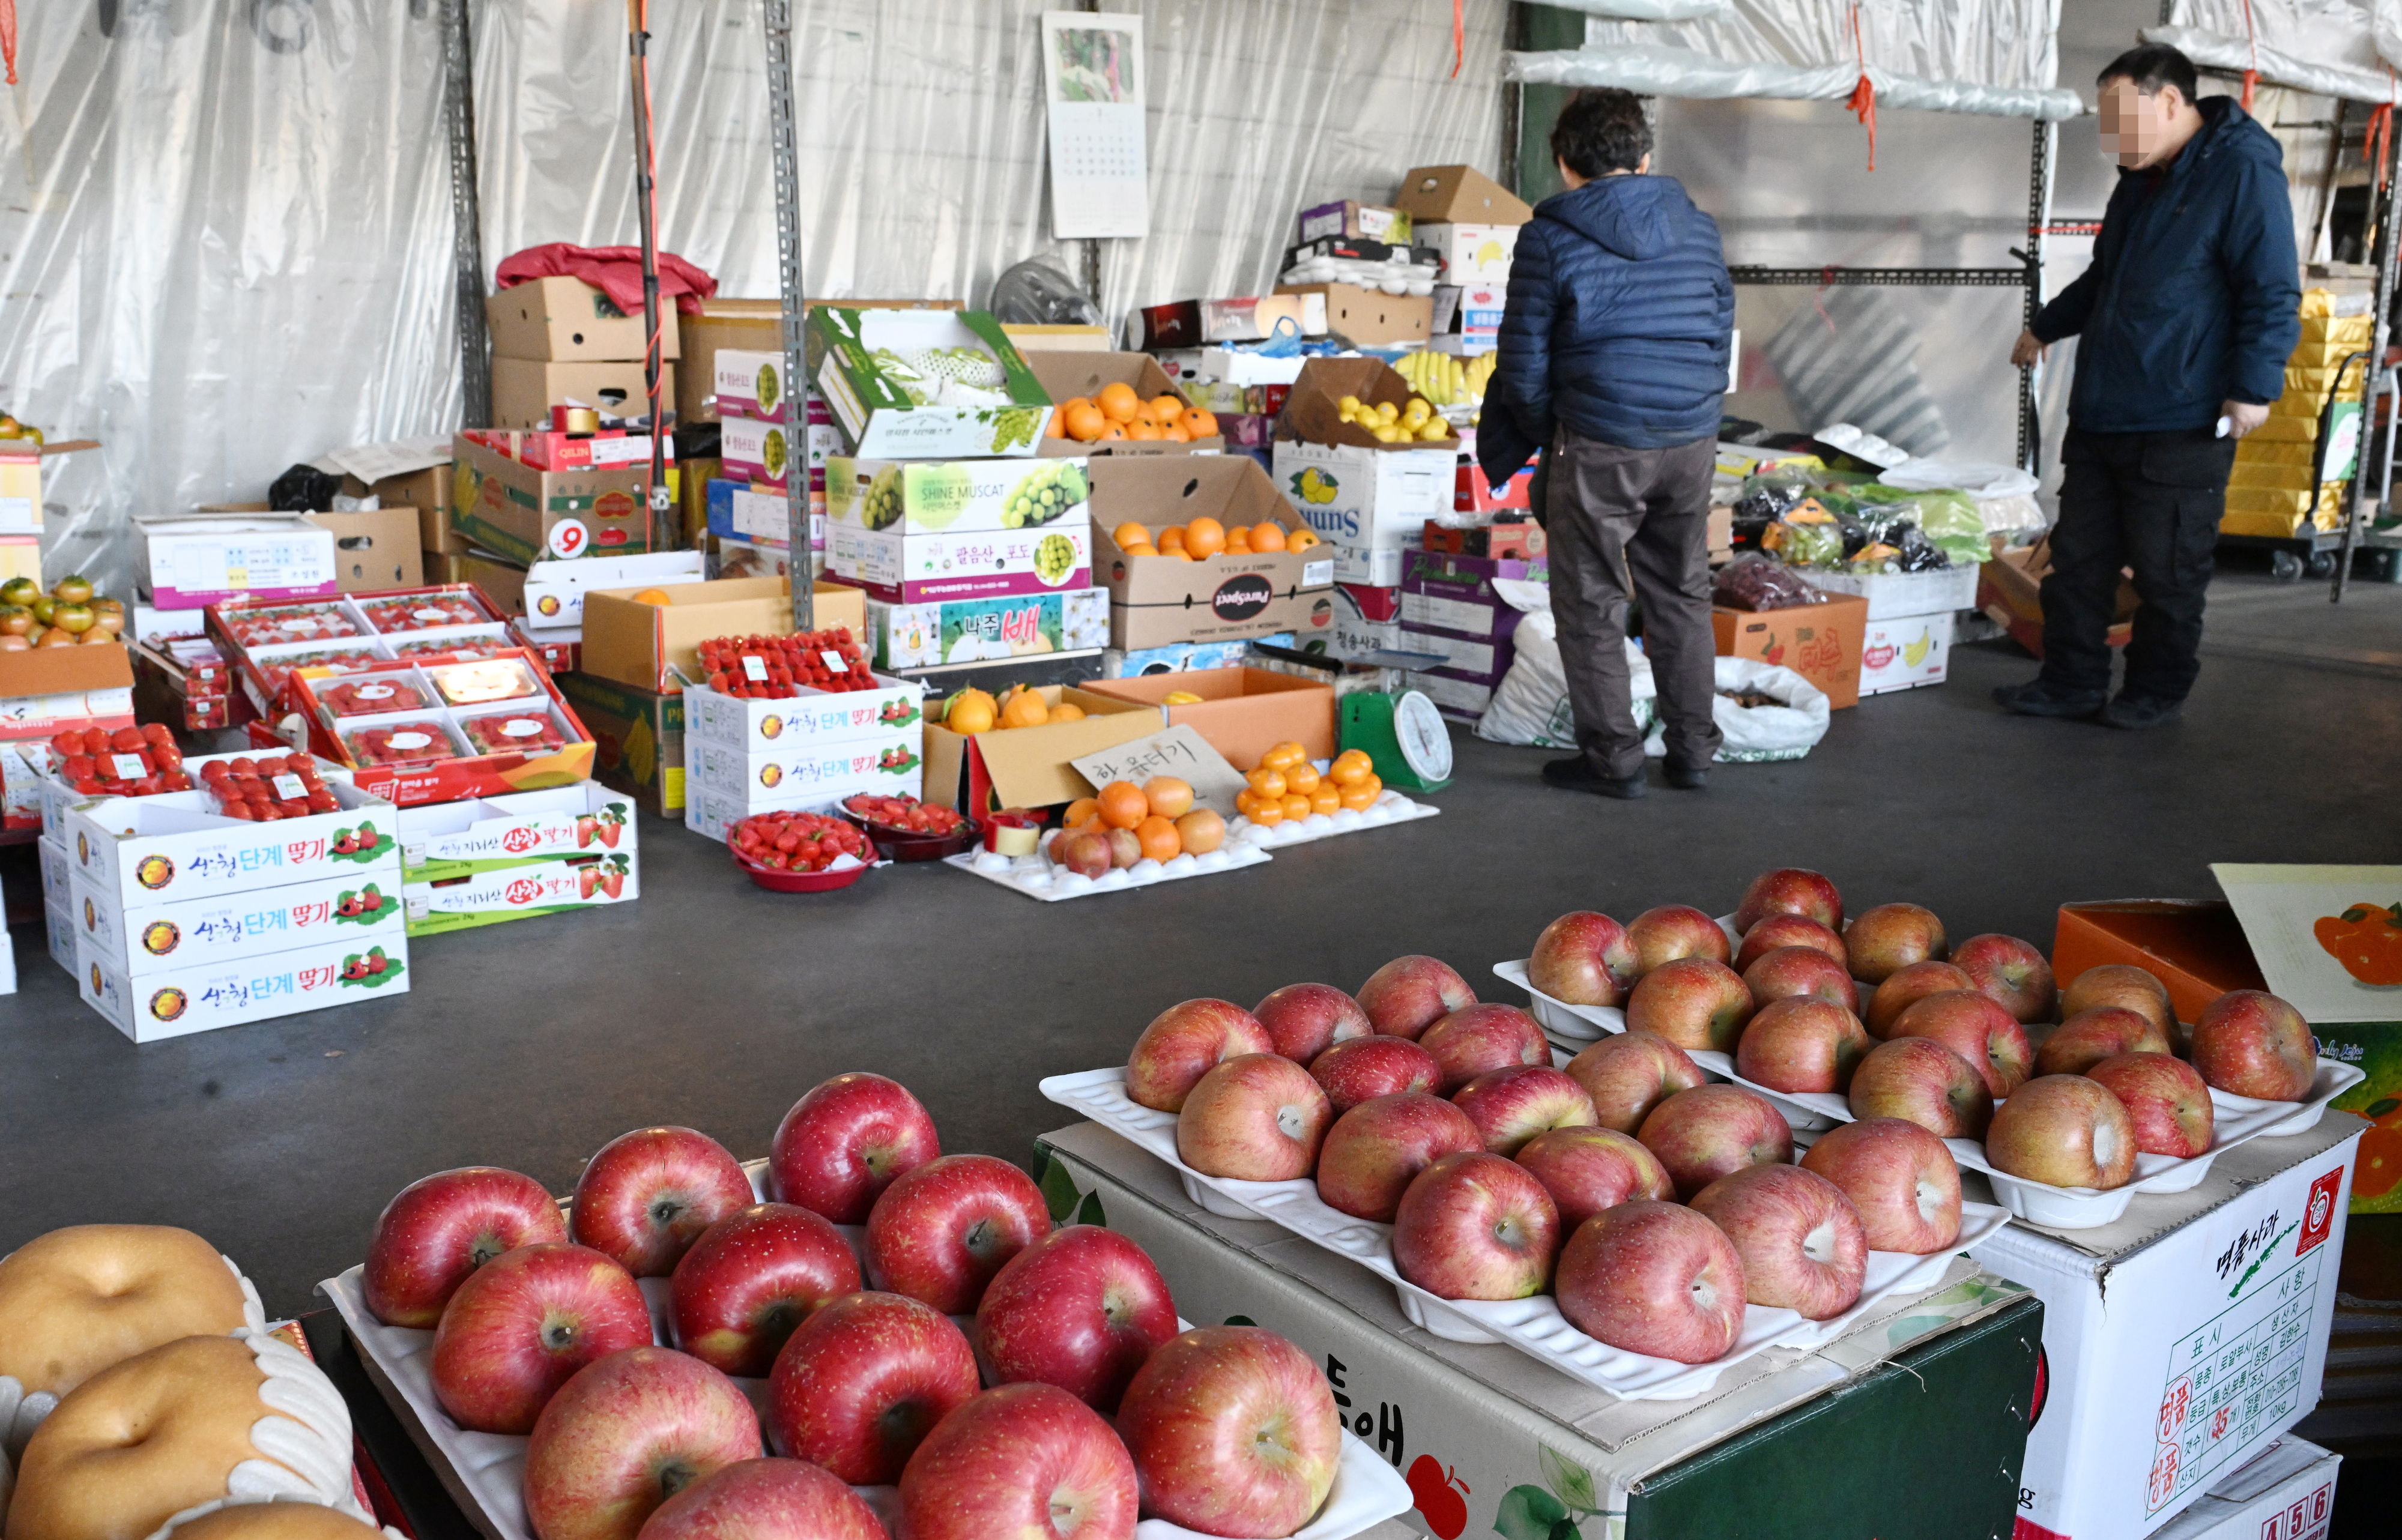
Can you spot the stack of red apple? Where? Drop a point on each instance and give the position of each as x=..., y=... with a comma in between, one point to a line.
x=540, y=1329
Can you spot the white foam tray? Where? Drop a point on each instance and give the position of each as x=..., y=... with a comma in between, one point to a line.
x=1534, y=1327
x=2234, y=1119
x=485, y=1472
x=1580, y=1023
x=1389, y=809
x=1037, y=878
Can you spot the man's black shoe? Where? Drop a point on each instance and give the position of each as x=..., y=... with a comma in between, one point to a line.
x=2037, y=698
x=2136, y=712
x=1577, y=775
x=1686, y=777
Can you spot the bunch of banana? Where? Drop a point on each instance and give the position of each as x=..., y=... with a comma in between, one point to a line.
x=1448, y=380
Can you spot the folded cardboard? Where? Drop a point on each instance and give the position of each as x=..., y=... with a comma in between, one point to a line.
x=1433, y=194
x=1821, y=642
x=21, y=491
x=1029, y=767
x=374, y=548
x=524, y=390
x=37, y=672
x=2010, y=589
x=1243, y=712
x=186, y=560
x=204, y=996
x=1071, y=375
x=649, y=645
x=638, y=739
x=981, y=630
x=1371, y=318
x=1162, y=600
x=889, y=407
x=567, y=320
x=958, y=497
x=1072, y=338
x=527, y=515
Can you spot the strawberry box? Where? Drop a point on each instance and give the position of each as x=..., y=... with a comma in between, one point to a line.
x=426, y=612
x=148, y=938
x=805, y=721
x=203, y=997
x=59, y=794
x=890, y=762
x=586, y=819
x=451, y=750
x=462, y=645
x=176, y=845
x=264, y=625
x=521, y=730
x=409, y=741
x=509, y=890
x=376, y=696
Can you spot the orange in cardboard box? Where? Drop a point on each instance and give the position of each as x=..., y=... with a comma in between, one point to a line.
x=1158, y=599
x=633, y=641
x=1242, y=712
x=1821, y=642
x=1082, y=376
x=1029, y=767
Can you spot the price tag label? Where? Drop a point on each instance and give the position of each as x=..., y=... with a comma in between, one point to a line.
x=569, y=537
x=128, y=767
x=754, y=669
x=375, y=692
x=288, y=788
x=430, y=616
x=522, y=727
x=410, y=741
x=836, y=663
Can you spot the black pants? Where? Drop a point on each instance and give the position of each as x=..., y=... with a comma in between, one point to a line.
x=2150, y=503
x=1612, y=514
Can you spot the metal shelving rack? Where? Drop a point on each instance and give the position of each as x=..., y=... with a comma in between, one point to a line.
x=778, y=18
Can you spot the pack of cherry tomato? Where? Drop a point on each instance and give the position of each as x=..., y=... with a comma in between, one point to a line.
x=761, y=667
x=127, y=761
x=438, y=732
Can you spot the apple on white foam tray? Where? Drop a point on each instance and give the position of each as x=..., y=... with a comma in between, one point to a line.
x=1082, y=1309
x=1801, y=1240
x=753, y=1277
x=646, y=1197
x=1903, y=1183
x=523, y=1324
x=766, y=1499
x=626, y=1433
x=845, y=1142
x=1653, y=1278
x=1410, y=994
x=1671, y=931
x=1627, y=1074
x=941, y=1231
x=1374, y=1151
x=441, y=1228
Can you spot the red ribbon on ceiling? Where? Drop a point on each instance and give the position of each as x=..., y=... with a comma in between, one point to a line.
x=1863, y=98
x=8, y=37
x=1458, y=36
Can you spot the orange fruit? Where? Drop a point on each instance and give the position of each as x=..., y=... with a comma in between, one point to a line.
x=1238, y=544
x=1141, y=429
x=1267, y=535
x=1168, y=409
x=1282, y=755
x=1118, y=399
x=1172, y=539
x=1327, y=798
x=1066, y=711
x=1122, y=805
x=654, y=596
x=1201, y=424
x=1141, y=548
x=1082, y=811
x=1130, y=534
x=1201, y=832
x=1176, y=433
x=1266, y=782
x=1300, y=540
x=1182, y=555
x=1169, y=796
x=1158, y=838
x=1351, y=767
x=1295, y=805
x=1204, y=537
x=1114, y=430
x=1362, y=795
x=1301, y=777
x=1264, y=813
x=1084, y=420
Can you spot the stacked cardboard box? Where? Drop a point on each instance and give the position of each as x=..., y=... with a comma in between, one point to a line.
x=1466, y=609
x=1473, y=223
x=1906, y=642
x=560, y=341
x=2286, y=481
x=42, y=692
x=1368, y=500
x=482, y=862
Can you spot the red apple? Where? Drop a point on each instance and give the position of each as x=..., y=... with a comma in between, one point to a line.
x=1479, y=1037
x=766, y=1500
x=2065, y=1130
x=2124, y=985
x=647, y=1196
x=1801, y=972
x=1408, y=995
x=1653, y=1278
x=625, y=1434
x=2166, y=1099
x=2250, y=1043
x=1631, y=1072
x=940, y=1232
x=444, y=1227
x=1790, y=890
x=751, y=1278
x=523, y=1324
x=1376, y=1150
x=842, y=1144
x=1021, y=1460
x=1186, y=1041
x=1304, y=1020
x=1884, y=941
x=1511, y=1104
x=1902, y=1182
x=1693, y=1003
x=2085, y=1040
x=1671, y=931
x=1973, y=1025
x=1586, y=1170
x=1701, y=1135
x=1798, y=1045
x=1582, y=958
x=1256, y=1119
x=863, y=1379
x=2014, y=973
x=1360, y=1069
x=1907, y=986
x=1789, y=931
x=1924, y=1083
x=1800, y=1239
x=1081, y=1308
x=1234, y=1431
x=1476, y=1227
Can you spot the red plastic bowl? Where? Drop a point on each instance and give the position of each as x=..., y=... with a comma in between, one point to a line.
x=796, y=882
x=908, y=845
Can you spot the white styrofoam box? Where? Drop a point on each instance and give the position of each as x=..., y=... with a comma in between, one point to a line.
x=1371, y=500
x=175, y=846
x=1379, y=567
x=2286, y=1492
x=362, y=908
x=187, y=560
x=1892, y=596
x=204, y=996
x=1905, y=653
x=59, y=929
x=57, y=871
x=808, y=719
x=888, y=762
x=1471, y=253
x=555, y=590
x=2183, y=1338
x=586, y=817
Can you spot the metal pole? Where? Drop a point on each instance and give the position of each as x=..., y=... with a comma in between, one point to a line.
x=665, y=536
x=2387, y=245
x=782, y=140
x=2038, y=211
x=467, y=218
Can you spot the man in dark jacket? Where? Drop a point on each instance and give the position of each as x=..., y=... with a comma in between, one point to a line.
x=2185, y=318
x=1613, y=360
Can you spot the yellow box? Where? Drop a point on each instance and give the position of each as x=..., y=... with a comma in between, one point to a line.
x=2253, y=474
x=21, y=557
x=20, y=492
x=2255, y=450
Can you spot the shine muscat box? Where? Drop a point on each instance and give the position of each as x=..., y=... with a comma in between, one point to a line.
x=921, y=531
x=925, y=384
x=926, y=568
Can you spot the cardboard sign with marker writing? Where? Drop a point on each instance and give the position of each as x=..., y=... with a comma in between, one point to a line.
x=1178, y=751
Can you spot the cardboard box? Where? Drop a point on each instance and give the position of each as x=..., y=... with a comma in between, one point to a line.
x=760, y=453
x=723, y=785
x=176, y=845
x=1461, y=700
x=807, y=723
x=1903, y=595
x=58, y=876
x=1029, y=767
x=58, y=931
x=2010, y=589
x=1905, y=655
x=360, y=908
x=979, y=630
x=1434, y=195
x=1197, y=323
x=21, y=557
x=582, y=819
x=646, y=645
x=2285, y=1493
x=497, y=892
x=748, y=325
x=2182, y=1339
x=566, y=320
x=1162, y=600
x=885, y=415
x=1472, y=255
x=469, y=769
x=553, y=592
x=638, y=739
x=43, y=673
x=502, y=582
x=201, y=998
x=1821, y=642
x=1358, y=220
x=186, y=560
x=731, y=557
x=905, y=569
x=527, y=515
x=1471, y=493
x=764, y=519
x=20, y=492
x=1358, y=493
x=1184, y=657
x=1069, y=376
x=1371, y=318
x=1495, y=1443
x=1243, y=712
x=524, y=390
x=2196, y=948
x=1078, y=339
x=374, y=548
x=958, y=497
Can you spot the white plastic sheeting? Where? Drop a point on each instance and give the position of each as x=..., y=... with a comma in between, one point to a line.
x=225, y=233
x=2277, y=67
x=1648, y=11
x=2342, y=33
x=2003, y=43
x=1656, y=70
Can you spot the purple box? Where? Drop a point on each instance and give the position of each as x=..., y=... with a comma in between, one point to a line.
x=1449, y=606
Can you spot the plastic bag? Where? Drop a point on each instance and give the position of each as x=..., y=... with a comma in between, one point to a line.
x=1894, y=541
x=1753, y=582
x=303, y=489
x=1949, y=518
x=1808, y=534
x=1764, y=712
x=1531, y=706
x=1036, y=293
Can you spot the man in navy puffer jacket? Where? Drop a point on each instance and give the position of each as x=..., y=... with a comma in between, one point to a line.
x=1613, y=360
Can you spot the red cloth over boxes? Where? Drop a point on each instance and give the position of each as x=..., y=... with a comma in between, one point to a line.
x=442, y=731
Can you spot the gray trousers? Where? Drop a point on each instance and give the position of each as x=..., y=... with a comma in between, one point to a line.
x=1612, y=514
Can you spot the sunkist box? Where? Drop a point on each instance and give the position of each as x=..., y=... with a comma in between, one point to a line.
x=647, y=645
x=1366, y=499
x=527, y=515
x=1160, y=601
x=1821, y=642
x=982, y=630
x=925, y=383
x=1068, y=376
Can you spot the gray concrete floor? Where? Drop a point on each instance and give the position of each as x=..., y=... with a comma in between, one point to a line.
x=714, y=1004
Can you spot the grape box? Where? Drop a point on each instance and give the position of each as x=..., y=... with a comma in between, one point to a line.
x=921, y=497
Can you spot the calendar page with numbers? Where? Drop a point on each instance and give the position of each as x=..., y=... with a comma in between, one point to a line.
x=1093, y=73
